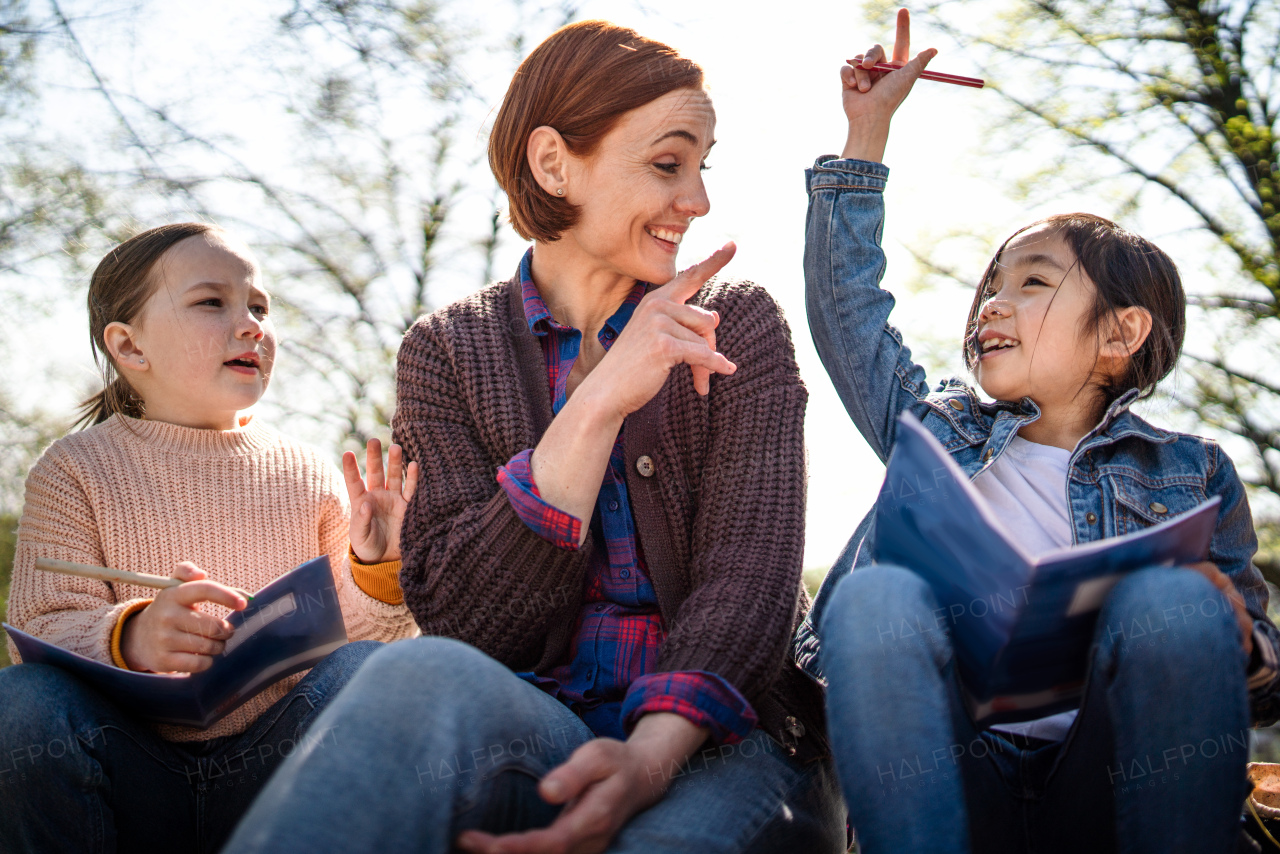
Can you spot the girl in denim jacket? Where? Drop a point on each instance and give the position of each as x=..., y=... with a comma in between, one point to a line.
x=1075, y=319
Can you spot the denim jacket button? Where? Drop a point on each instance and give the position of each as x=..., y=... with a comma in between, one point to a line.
x=644, y=465
x=1090, y=518
x=956, y=405
x=987, y=454
x=1158, y=508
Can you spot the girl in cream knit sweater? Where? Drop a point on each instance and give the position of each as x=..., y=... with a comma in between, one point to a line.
x=171, y=478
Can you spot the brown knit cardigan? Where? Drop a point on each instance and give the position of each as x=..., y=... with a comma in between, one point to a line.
x=717, y=489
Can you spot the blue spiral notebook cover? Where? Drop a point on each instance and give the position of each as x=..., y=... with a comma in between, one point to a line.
x=291, y=624
x=1021, y=627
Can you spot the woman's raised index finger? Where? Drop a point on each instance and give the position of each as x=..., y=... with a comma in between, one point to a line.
x=902, y=41
x=687, y=283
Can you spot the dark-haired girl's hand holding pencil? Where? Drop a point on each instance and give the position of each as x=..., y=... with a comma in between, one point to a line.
x=871, y=97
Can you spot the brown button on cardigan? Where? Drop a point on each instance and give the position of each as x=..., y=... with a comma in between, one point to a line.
x=717, y=488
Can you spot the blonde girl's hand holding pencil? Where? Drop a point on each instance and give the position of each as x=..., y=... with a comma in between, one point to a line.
x=871, y=97
x=378, y=501
x=171, y=634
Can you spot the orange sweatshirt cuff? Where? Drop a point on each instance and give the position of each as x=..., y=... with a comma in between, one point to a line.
x=117, y=633
x=379, y=580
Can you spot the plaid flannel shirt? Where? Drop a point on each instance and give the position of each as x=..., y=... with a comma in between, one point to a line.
x=607, y=676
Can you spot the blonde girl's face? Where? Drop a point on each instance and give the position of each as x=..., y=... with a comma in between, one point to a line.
x=203, y=346
x=1030, y=327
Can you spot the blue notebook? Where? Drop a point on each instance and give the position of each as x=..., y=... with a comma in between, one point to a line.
x=1021, y=627
x=291, y=624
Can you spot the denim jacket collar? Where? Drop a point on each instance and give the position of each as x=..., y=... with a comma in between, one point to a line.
x=1118, y=422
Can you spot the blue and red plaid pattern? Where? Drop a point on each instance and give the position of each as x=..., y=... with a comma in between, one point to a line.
x=516, y=477
x=606, y=676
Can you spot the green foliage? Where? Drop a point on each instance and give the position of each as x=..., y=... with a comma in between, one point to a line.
x=23, y=436
x=813, y=578
x=18, y=39
x=8, y=542
x=1268, y=557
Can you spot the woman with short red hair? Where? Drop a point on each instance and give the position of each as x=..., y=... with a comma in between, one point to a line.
x=604, y=552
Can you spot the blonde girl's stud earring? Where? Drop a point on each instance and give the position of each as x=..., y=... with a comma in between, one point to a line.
x=559, y=191
x=142, y=361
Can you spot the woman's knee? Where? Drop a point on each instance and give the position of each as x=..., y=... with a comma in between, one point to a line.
x=435, y=665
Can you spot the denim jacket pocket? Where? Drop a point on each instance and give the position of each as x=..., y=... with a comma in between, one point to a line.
x=955, y=406
x=1141, y=503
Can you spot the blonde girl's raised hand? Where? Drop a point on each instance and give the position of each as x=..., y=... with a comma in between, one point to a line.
x=871, y=97
x=378, y=501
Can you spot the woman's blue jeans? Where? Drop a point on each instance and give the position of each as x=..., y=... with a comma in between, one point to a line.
x=80, y=775
x=433, y=737
x=1154, y=762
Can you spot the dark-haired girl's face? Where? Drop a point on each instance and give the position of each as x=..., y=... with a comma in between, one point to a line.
x=642, y=187
x=1033, y=337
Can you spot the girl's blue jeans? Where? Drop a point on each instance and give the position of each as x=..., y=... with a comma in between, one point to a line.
x=1155, y=761
x=435, y=737
x=80, y=775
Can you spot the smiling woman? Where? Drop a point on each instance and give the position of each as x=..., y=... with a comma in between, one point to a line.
x=616, y=538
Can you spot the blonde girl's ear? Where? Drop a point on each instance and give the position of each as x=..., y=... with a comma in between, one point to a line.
x=120, y=340
x=1126, y=332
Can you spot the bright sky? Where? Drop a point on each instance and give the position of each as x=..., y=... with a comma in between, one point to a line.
x=774, y=80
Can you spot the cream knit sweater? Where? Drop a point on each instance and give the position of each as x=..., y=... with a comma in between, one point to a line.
x=245, y=505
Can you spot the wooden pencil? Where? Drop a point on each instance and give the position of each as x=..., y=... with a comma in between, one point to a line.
x=102, y=573
x=936, y=76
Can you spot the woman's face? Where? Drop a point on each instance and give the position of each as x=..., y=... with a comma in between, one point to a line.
x=642, y=187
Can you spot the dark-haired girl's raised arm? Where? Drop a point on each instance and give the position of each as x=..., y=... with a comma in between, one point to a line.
x=868, y=362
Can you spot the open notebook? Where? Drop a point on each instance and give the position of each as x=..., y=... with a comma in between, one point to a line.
x=291, y=624
x=1021, y=627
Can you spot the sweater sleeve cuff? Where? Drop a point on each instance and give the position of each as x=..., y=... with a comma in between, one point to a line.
x=702, y=698
x=117, y=633
x=379, y=580
x=551, y=523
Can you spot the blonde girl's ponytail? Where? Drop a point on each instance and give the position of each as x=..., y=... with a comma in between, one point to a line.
x=120, y=286
x=117, y=396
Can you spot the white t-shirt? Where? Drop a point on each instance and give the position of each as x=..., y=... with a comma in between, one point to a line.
x=1027, y=488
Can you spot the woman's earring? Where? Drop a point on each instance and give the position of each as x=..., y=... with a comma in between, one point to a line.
x=142, y=361
x=559, y=191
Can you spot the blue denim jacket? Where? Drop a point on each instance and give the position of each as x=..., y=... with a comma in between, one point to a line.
x=1124, y=475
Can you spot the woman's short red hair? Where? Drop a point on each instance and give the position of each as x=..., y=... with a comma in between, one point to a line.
x=580, y=81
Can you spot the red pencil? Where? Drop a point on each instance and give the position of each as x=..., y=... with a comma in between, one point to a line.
x=936, y=76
